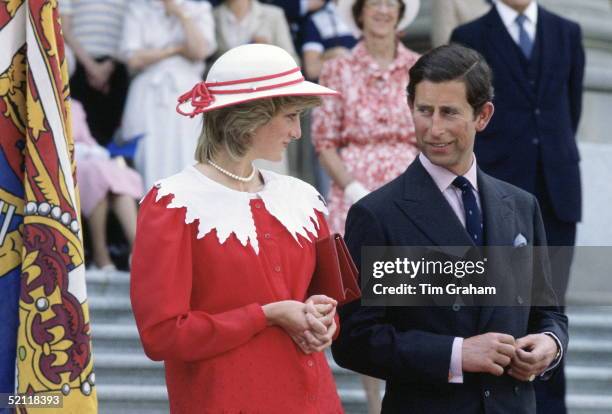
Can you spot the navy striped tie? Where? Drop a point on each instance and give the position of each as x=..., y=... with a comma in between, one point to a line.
x=473, y=216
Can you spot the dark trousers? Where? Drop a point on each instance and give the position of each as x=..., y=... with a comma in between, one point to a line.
x=561, y=237
x=103, y=111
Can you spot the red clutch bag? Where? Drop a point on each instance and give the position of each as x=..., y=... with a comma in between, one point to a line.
x=335, y=274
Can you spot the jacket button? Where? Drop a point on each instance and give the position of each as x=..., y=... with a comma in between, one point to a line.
x=487, y=394
x=277, y=269
x=516, y=389
x=519, y=300
x=535, y=141
x=310, y=363
x=267, y=235
x=456, y=307
x=537, y=111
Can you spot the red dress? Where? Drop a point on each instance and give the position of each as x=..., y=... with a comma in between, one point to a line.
x=205, y=259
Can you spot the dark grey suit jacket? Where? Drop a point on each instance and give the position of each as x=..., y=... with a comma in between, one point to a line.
x=410, y=347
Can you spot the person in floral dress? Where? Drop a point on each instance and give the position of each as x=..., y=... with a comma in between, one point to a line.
x=365, y=137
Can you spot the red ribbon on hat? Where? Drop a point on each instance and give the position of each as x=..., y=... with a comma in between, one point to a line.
x=201, y=96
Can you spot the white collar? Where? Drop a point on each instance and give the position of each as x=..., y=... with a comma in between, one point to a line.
x=290, y=200
x=444, y=178
x=509, y=15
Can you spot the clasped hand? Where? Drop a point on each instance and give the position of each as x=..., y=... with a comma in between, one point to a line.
x=311, y=324
x=495, y=353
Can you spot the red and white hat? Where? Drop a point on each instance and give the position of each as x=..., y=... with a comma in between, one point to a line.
x=246, y=73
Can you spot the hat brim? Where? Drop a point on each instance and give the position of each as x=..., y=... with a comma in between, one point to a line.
x=345, y=10
x=304, y=88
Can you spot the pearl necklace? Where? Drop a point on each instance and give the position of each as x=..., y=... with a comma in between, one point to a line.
x=232, y=175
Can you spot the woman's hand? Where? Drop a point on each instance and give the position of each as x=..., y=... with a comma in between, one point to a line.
x=311, y=324
x=320, y=309
x=319, y=342
x=291, y=316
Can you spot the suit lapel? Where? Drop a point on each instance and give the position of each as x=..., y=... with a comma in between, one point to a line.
x=498, y=217
x=426, y=207
x=500, y=40
x=497, y=211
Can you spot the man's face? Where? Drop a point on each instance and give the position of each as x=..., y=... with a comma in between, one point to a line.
x=518, y=5
x=445, y=124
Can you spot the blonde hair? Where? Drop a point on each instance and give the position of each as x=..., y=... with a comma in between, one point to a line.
x=232, y=127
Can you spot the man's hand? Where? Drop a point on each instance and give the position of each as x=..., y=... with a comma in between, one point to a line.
x=488, y=353
x=534, y=353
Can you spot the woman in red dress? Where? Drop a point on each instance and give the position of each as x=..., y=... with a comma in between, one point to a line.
x=224, y=252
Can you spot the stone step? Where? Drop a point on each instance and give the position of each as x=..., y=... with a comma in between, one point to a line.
x=132, y=399
x=589, y=352
x=153, y=399
x=589, y=404
x=589, y=381
x=590, y=324
x=100, y=283
x=119, y=338
x=109, y=309
x=125, y=369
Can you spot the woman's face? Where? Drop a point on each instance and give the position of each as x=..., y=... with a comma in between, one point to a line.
x=379, y=17
x=271, y=139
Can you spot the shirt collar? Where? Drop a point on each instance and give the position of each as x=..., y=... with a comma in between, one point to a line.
x=292, y=202
x=444, y=178
x=509, y=15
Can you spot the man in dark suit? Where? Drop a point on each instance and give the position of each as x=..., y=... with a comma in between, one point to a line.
x=460, y=359
x=537, y=60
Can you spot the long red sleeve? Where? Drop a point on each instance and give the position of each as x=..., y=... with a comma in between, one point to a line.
x=161, y=289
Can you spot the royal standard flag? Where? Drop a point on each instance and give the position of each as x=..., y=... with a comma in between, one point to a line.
x=45, y=341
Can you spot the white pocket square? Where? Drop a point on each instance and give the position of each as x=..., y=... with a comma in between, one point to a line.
x=520, y=240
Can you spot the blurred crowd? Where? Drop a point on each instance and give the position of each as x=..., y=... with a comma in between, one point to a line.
x=129, y=61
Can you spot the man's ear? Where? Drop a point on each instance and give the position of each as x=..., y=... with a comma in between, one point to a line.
x=484, y=116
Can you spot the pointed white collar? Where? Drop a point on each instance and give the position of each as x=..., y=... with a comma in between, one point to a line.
x=292, y=201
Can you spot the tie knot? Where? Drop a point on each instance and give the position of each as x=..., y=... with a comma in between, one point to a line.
x=520, y=19
x=462, y=183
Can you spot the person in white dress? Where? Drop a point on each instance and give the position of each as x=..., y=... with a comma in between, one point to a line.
x=165, y=44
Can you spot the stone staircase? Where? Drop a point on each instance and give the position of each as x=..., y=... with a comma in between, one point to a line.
x=128, y=382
